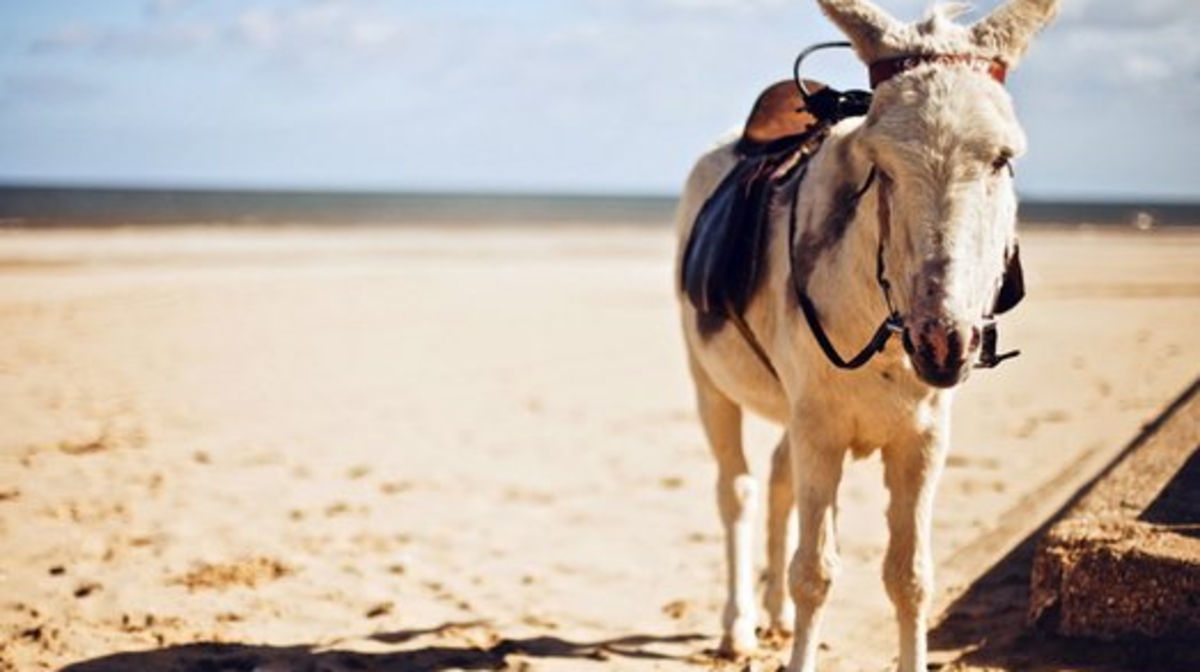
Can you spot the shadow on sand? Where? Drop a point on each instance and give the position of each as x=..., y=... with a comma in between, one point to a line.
x=499, y=654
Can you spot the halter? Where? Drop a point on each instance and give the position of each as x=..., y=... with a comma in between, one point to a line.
x=830, y=106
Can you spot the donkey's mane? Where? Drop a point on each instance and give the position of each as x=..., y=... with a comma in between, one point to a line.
x=938, y=31
x=946, y=12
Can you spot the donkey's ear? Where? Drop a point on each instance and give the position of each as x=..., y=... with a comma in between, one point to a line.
x=1008, y=30
x=863, y=22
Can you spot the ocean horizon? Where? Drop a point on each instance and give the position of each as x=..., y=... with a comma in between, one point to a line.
x=85, y=206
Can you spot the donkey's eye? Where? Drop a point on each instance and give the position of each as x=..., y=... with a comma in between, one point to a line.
x=1002, y=161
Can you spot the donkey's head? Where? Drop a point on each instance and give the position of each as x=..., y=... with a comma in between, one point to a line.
x=941, y=134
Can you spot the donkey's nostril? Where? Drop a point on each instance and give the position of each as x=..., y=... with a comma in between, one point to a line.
x=939, y=343
x=939, y=349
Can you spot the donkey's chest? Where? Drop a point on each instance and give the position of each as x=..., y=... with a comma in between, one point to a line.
x=883, y=406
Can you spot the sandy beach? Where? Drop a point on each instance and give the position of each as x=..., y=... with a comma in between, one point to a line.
x=421, y=448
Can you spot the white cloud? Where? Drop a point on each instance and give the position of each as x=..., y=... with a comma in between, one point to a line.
x=50, y=86
x=164, y=6
x=69, y=37
x=289, y=30
x=1125, y=15
x=1121, y=50
x=128, y=41
x=739, y=6
x=321, y=25
x=258, y=28
x=1143, y=67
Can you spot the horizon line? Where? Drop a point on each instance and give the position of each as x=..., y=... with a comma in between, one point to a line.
x=548, y=192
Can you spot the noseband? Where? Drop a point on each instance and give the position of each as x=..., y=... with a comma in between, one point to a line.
x=830, y=106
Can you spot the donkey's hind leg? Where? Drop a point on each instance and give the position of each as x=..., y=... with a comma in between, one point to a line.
x=781, y=540
x=737, y=500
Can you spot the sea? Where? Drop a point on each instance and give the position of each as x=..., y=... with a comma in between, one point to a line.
x=23, y=206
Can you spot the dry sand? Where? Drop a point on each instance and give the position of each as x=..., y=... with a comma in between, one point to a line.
x=421, y=449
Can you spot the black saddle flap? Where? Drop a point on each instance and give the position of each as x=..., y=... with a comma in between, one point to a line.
x=723, y=259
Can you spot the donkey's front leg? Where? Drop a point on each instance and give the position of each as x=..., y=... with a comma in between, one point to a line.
x=911, y=471
x=817, y=470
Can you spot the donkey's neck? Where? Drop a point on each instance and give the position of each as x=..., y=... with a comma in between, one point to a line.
x=837, y=240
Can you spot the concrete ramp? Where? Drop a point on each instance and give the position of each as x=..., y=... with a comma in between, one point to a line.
x=1110, y=582
x=1125, y=560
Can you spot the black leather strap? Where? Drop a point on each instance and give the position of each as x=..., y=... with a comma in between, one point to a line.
x=753, y=342
x=876, y=345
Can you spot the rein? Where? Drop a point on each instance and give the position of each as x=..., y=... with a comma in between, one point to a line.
x=830, y=106
x=893, y=324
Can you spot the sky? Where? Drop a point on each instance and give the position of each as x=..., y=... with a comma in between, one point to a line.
x=571, y=96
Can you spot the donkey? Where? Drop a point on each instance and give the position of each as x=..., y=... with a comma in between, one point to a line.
x=907, y=212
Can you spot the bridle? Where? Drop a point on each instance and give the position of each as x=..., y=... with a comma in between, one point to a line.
x=830, y=106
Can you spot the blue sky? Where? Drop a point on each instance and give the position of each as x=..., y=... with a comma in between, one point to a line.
x=569, y=96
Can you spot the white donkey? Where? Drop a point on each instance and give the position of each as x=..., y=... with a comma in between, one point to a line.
x=909, y=211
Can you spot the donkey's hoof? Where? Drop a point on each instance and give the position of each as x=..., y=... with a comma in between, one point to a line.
x=776, y=637
x=782, y=617
x=739, y=641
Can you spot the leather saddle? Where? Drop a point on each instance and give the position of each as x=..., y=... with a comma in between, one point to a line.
x=723, y=261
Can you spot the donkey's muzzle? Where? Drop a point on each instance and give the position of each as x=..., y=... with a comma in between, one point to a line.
x=941, y=351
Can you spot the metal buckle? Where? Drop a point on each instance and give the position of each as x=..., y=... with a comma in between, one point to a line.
x=894, y=324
